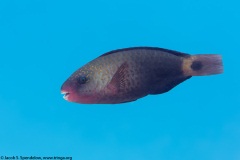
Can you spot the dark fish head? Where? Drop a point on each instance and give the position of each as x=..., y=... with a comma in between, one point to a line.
x=80, y=87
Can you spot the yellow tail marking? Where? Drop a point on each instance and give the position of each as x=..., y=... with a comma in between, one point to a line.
x=186, y=66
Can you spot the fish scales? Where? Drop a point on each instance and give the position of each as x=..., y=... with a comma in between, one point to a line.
x=128, y=74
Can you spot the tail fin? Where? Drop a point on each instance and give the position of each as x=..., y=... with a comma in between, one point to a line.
x=202, y=64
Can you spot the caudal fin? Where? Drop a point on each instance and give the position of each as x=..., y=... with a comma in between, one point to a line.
x=202, y=64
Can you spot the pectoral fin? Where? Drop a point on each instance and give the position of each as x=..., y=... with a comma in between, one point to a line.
x=118, y=81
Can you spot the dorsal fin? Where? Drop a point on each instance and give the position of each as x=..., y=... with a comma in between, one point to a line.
x=176, y=53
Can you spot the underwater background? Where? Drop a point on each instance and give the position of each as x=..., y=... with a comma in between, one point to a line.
x=42, y=42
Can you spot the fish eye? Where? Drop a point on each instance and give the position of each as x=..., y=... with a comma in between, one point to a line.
x=82, y=79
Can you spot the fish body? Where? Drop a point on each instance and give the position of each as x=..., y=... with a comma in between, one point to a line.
x=128, y=74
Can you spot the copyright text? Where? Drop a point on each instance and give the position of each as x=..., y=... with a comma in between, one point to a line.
x=33, y=158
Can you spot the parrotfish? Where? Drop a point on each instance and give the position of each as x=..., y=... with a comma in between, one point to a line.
x=125, y=75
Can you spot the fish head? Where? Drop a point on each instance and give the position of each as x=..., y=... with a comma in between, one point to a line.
x=80, y=87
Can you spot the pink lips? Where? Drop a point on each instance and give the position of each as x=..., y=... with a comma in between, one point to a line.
x=65, y=95
x=71, y=94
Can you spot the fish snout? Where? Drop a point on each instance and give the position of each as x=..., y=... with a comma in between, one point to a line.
x=65, y=94
x=66, y=90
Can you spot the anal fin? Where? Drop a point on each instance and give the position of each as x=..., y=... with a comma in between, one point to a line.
x=166, y=85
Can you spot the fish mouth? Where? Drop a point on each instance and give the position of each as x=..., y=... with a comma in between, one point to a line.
x=65, y=95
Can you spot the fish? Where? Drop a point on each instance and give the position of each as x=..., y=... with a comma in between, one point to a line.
x=125, y=75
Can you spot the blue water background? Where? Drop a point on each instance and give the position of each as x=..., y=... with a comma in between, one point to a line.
x=42, y=42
